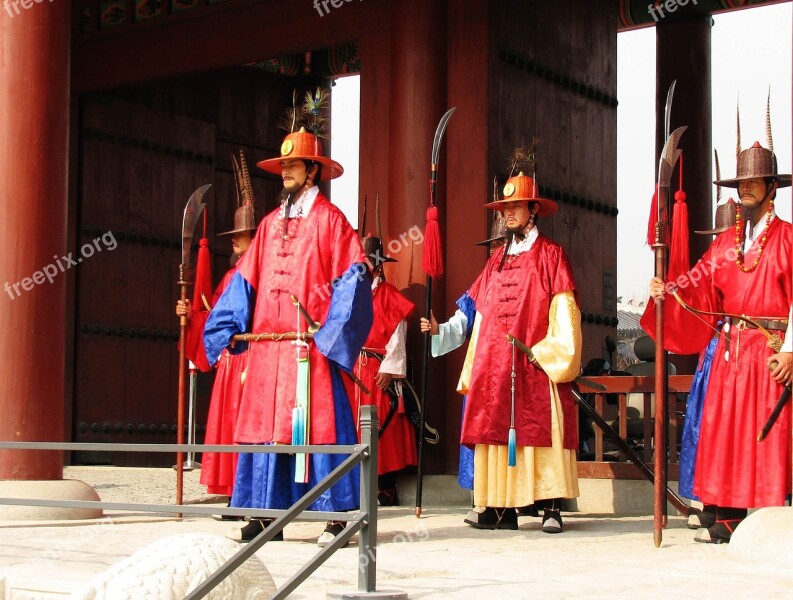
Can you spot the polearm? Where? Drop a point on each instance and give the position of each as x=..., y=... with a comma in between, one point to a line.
x=192, y=211
x=666, y=165
x=432, y=270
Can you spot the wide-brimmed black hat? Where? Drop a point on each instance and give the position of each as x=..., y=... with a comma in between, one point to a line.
x=374, y=251
x=725, y=218
x=756, y=163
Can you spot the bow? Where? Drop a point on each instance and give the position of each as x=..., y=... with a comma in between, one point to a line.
x=773, y=341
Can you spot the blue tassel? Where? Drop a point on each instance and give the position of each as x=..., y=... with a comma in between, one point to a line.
x=298, y=426
x=512, y=449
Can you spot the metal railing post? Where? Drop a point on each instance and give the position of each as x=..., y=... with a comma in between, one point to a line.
x=367, y=549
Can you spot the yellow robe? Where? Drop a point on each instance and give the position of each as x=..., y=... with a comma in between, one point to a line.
x=540, y=473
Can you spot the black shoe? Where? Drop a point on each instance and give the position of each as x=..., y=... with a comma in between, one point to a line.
x=252, y=529
x=228, y=517
x=388, y=497
x=528, y=511
x=719, y=533
x=552, y=521
x=492, y=518
x=332, y=529
x=706, y=518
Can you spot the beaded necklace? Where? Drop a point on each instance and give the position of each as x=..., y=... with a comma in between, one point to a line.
x=739, y=246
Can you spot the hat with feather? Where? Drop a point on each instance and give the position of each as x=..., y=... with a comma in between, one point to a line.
x=756, y=161
x=244, y=218
x=521, y=187
x=305, y=124
x=373, y=245
x=498, y=230
x=725, y=212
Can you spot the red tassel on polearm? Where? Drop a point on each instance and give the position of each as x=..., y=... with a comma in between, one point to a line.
x=194, y=343
x=679, y=260
x=653, y=218
x=433, y=254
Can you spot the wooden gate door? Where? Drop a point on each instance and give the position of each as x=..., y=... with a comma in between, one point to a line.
x=138, y=167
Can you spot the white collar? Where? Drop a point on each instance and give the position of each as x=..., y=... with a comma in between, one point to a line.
x=524, y=245
x=304, y=202
x=752, y=233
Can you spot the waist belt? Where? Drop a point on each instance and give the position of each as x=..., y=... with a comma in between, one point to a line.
x=373, y=353
x=273, y=337
x=770, y=324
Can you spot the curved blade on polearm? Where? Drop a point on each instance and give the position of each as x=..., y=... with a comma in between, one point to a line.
x=192, y=211
x=432, y=244
x=439, y=131
x=668, y=109
x=666, y=164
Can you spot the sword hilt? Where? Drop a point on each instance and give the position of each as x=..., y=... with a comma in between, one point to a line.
x=313, y=326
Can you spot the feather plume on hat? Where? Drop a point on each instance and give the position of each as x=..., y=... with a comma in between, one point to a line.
x=524, y=159
x=244, y=217
x=311, y=114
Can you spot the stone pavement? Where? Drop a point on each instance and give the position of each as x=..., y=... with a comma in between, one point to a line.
x=437, y=556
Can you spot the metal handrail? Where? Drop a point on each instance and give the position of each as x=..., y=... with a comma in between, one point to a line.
x=364, y=521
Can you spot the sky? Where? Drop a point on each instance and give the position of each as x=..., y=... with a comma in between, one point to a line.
x=751, y=49
x=345, y=110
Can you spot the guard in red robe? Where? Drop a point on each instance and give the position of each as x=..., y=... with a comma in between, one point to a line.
x=218, y=469
x=746, y=272
x=306, y=249
x=526, y=290
x=381, y=365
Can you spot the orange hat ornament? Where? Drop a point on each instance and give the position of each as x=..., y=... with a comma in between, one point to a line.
x=522, y=187
x=309, y=119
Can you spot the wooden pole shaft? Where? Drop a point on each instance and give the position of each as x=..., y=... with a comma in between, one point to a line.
x=181, y=399
x=659, y=503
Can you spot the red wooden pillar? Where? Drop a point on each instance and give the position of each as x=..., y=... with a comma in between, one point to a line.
x=683, y=43
x=417, y=102
x=34, y=121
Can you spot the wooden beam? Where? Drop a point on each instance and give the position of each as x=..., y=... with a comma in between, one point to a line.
x=207, y=40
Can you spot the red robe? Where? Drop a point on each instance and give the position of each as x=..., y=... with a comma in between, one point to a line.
x=397, y=444
x=516, y=301
x=218, y=468
x=733, y=469
x=318, y=248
